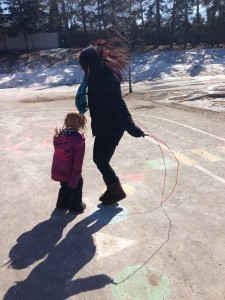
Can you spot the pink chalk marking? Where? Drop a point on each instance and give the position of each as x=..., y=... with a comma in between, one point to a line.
x=134, y=177
x=45, y=144
x=8, y=137
x=16, y=148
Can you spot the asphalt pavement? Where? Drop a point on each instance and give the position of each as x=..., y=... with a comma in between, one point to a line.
x=165, y=240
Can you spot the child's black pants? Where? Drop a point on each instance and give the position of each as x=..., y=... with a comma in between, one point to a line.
x=70, y=197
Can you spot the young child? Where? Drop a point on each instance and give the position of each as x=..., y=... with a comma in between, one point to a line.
x=69, y=146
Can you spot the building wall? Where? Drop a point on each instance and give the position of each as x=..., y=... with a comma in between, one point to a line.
x=36, y=41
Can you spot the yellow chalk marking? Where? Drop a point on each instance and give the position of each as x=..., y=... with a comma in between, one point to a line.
x=129, y=189
x=206, y=155
x=184, y=159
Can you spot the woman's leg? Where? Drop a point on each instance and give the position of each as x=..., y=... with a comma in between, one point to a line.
x=104, y=149
x=103, y=152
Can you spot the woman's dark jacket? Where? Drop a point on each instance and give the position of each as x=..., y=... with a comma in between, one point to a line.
x=109, y=113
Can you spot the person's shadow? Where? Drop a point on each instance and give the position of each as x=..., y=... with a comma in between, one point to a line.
x=35, y=244
x=52, y=278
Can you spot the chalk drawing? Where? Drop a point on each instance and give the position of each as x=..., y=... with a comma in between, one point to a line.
x=206, y=155
x=146, y=284
x=134, y=177
x=129, y=189
x=16, y=148
x=108, y=245
x=25, y=148
x=158, y=164
x=45, y=144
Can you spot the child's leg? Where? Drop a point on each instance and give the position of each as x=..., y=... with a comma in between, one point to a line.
x=63, y=196
x=75, y=198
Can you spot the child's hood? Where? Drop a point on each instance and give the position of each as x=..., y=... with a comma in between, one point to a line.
x=68, y=141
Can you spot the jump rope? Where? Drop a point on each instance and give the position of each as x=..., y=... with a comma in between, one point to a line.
x=159, y=143
x=80, y=101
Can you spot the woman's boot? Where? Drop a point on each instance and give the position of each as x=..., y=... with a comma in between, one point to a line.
x=115, y=193
x=106, y=193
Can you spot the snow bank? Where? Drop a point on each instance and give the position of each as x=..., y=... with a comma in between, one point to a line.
x=59, y=67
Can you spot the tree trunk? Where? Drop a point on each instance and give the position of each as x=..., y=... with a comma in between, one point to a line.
x=197, y=14
x=99, y=19
x=197, y=38
x=55, y=23
x=26, y=41
x=112, y=13
x=84, y=20
x=213, y=24
x=129, y=75
x=65, y=20
x=142, y=15
x=158, y=23
x=4, y=39
x=185, y=23
x=173, y=24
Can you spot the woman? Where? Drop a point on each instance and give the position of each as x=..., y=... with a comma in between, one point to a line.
x=103, y=65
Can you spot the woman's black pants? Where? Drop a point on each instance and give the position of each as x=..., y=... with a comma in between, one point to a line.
x=104, y=147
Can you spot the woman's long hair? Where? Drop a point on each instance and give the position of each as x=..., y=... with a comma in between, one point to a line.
x=109, y=55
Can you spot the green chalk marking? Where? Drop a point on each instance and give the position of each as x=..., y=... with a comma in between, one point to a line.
x=158, y=164
x=146, y=284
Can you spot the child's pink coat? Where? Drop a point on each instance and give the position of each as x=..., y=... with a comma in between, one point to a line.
x=68, y=157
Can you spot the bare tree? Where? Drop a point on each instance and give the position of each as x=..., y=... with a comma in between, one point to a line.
x=126, y=29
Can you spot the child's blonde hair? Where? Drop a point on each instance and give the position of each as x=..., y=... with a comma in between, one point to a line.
x=73, y=120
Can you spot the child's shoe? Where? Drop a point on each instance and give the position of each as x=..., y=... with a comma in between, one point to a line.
x=78, y=211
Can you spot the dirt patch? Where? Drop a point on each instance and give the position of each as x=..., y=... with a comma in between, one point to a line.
x=48, y=98
x=145, y=106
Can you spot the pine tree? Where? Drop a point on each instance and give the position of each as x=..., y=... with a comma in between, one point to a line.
x=20, y=12
x=83, y=15
x=1, y=15
x=19, y=16
x=154, y=15
x=100, y=15
x=65, y=24
x=55, y=22
x=215, y=18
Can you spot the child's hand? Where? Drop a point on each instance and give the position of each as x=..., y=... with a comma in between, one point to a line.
x=57, y=131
